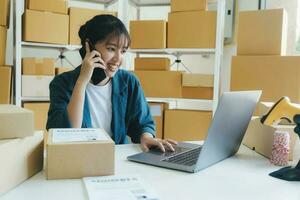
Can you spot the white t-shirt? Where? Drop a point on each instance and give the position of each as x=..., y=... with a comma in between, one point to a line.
x=100, y=106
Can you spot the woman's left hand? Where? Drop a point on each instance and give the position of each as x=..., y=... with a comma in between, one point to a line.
x=147, y=142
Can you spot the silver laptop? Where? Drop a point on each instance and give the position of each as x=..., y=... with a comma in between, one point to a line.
x=223, y=139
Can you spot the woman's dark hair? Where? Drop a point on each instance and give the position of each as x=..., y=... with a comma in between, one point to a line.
x=100, y=28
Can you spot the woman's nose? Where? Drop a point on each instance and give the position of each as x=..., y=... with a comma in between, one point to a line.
x=117, y=57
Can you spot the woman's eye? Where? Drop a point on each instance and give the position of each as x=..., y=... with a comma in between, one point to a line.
x=111, y=49
x=124, y=51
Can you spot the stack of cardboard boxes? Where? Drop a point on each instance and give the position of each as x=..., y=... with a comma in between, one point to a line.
x=5, y=71
x=50, y=21
x=190, y=25
x=261, y=64
x=21, y=150
x=154, y=73
x=37, y=73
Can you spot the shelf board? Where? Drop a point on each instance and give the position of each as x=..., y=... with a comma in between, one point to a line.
x=54, y=46
x=173, y=51
x=196, y=104
x=35, y=98
x=105, y=2
x=140, y=3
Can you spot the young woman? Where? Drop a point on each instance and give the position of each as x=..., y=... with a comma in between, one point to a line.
x=114, y=102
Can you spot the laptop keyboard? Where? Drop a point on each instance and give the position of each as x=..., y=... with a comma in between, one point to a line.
x=188, y=158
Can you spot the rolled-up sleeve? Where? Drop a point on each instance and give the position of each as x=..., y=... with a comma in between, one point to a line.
x=59, y=100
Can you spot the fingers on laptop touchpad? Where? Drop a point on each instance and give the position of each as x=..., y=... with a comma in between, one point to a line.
x=157, y=151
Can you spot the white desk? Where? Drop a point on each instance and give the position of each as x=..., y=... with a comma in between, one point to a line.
x=243, y=176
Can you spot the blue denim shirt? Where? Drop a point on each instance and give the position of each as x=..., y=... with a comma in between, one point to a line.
x=130, y=112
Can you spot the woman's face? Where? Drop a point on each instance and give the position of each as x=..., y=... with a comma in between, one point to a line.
x=112, y=52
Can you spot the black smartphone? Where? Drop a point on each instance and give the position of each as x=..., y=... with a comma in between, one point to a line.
x=98, y=73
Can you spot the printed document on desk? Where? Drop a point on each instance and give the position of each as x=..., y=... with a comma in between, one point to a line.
x=122, y=187
x=78, y=135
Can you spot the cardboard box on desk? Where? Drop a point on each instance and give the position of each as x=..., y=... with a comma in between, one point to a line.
x=36, y=86
x=3, y=34
x=78, y=17
x=148, y=34
x=15, y=122
x=157, y=112
x=151, y=64
x=40, y=26
x=5, y=84
x=267, y=38
x=182, y=32
x=20, y=159
x=160, y=83
x=38, y=66
x=79, y=159
x=56, y=6
x=186, y=125
x=40, y=111
x=188, y=5
x=260, y=137
x=5, y=12
x=276, y=76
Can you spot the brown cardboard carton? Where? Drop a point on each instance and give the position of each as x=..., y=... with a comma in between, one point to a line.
x=276, y=76
x=20, y=159
x=152, y=64
x=197, y=92
x=3, y=33
x=79, y=159
x=160, y=83
x=55, y=31
x=38, y=66
x=260, y=137
x=197, y=80
x=78, y=17
x=157, y=112
x=148, y=34
x=188, y=5
x=5, y=12
x=36, y=86
x=60, y=70
x=5, y=84
x=15, y=122
x=262, y=32
x=186, y=125
x=40, y=111
x=56, y=6
x=183, y=33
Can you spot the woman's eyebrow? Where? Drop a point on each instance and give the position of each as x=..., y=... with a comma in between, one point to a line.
x=112, y=44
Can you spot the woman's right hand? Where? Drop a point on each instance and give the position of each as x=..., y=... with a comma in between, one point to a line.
x=91, y=60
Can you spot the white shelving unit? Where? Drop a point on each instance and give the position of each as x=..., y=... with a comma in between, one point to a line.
x=18, y=10
x=217, y=51
x=123, y=9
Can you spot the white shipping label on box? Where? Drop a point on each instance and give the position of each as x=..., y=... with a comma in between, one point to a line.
x=78, y=135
